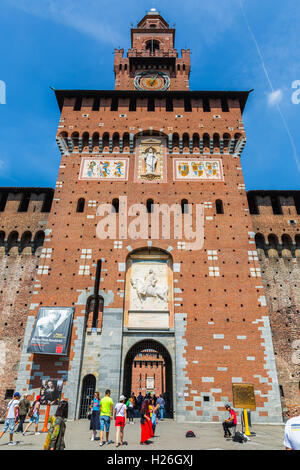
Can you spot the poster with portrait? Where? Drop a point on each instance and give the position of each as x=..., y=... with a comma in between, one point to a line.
x=50, y=391
x=52, y=330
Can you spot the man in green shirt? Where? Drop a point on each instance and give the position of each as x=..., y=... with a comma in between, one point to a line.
x=106, y=413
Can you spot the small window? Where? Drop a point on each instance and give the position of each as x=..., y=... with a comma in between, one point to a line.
x=80, y=205
x=115, y=204
x=9, y=393
x=149, y=205
x=205, y=398
x=184, y=206
x=219, y=206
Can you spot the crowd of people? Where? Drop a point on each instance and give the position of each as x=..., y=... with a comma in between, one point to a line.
x=102, y=411
x=149, y=408
x=19, y=409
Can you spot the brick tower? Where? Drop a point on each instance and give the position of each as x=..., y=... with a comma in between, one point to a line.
x=151, y=146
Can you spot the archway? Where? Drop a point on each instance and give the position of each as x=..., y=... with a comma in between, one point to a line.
x=87, y=393
x=148, y=369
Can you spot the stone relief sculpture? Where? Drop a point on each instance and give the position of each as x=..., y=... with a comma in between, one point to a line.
x=148, y=288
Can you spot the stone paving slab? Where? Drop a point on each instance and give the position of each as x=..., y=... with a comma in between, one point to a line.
x=169, y=436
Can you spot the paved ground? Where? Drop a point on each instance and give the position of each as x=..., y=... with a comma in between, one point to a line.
x=169, y=436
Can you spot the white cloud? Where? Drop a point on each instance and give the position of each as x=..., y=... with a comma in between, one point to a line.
x=274, y=97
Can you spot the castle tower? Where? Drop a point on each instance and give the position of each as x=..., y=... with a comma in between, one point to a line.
x=173, y=268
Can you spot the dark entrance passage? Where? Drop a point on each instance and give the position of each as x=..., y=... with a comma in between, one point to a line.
x=148, y=369
x=87, y=393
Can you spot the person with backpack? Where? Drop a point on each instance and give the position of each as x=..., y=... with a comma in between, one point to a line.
x=161, y=402
x=95, y=415
x=131, y=402
x=24, y=407
x=120, y=420
x=34, y=415
x=55, y=438
x=231, y=421
x=10, y=418
x=153, y=413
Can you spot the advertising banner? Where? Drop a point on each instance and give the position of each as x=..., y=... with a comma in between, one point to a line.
x=50, y=391
x=51, y=331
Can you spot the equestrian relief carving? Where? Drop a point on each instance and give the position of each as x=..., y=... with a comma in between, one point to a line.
x=150, y=289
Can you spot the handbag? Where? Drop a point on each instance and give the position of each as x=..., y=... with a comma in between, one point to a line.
x=89, y=415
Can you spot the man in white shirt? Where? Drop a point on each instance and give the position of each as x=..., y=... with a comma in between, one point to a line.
x=292, y=432
x=10, y=418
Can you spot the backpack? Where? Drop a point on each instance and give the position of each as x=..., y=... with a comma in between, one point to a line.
x=30, y=413
x=239, y=437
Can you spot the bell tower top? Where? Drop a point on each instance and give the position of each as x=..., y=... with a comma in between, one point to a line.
x=152, y=63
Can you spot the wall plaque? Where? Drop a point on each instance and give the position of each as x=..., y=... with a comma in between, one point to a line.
x=243, y=396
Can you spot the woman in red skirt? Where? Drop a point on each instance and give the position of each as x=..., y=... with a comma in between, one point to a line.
x=146, y=425
x=120, y=420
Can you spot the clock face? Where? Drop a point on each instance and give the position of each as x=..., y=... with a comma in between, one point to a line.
x=152, y=80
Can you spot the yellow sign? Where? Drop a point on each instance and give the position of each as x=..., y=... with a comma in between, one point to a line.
x=243, y=396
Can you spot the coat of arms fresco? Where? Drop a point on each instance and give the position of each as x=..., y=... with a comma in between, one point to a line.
x=197, y=169
x=107, y=169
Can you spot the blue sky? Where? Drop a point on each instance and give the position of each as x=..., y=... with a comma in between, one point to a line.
x=69, y=44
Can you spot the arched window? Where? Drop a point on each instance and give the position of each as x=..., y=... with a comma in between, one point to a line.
x=205, y=143
x=25, y=240
x=175, y=142
x=152, y=45
x=39, y=240
x=105, y=142
x=149, y=206
x=260, y=241
x=116, y=142
x=184, y=206
x=75, y=139
x=219, y=207
x=126, y=142
x=12, y=240
x=85, y=142
x=216, y=142
x=287, y=246
x=185, y=142
x=273, y=245
x=80, y=205
x=196, y=142
x=115, y=203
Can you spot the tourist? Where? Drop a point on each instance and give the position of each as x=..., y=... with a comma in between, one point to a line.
x=292, y=432
x=106, y=413
x=95, y=415
x=140, y=400
x=146, y=425
x=130, y=408
x=161, y=402
x=120, y=420
x=55, y=438
x=153, y=414
x=10, y=418
x=24, y=406
x=34, y=415
x=230, y=421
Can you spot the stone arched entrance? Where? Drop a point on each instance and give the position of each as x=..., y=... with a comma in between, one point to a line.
x=149, y=352
x=87, y=393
